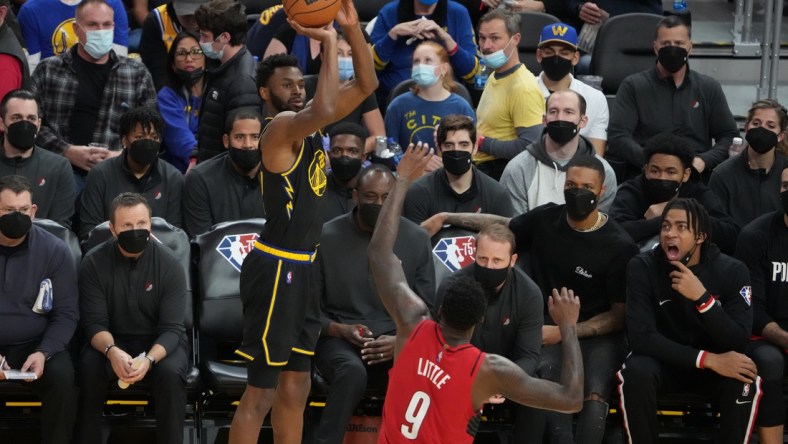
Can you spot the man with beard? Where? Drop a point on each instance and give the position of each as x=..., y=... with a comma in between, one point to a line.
x=137, y=170
x=534, y=177
x=578, y=247
x=227, y=187
x=668, y=174
x=277, y=277
x=346, y=154
x=670, y=97
x=558, y=55
x=513, y=319
x=459, y=186
x=357, y=335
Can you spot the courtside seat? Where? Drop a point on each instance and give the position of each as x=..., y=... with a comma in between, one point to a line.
x=68, y=236
x=531, y=26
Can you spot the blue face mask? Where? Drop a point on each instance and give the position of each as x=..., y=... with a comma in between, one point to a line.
x=99, y=42
x=498, y=58
x=424, y=75
x=207, y=49
x=428, y=2
x=345, y=68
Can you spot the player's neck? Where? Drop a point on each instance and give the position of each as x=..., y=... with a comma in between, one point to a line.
x=454, y=337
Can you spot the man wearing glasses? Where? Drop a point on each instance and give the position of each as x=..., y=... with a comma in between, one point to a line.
x=49, y=174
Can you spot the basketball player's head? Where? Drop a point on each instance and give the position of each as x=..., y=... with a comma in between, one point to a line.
x=280, y=83
x=463, y=304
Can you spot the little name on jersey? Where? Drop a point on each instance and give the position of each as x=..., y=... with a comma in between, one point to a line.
x=432, y=372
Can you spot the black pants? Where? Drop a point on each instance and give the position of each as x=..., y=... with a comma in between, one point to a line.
x=770, y=361
x=56, y=389
x=340, y=363
x=167, y=382
x=643, y=377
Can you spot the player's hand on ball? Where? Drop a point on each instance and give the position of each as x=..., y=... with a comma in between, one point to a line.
x=564, y=307
x=347, y=15
x=322, y=34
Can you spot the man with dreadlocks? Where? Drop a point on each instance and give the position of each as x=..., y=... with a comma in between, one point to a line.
x=689, y=317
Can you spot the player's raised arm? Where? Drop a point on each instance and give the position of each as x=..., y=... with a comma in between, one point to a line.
x=400, y=301
x=499, y=376
x=365, y=81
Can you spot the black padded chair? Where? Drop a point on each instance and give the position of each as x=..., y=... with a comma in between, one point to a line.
x=531, y=26
x=220, y=253
x=405, y=86
x=368, y=9
x=68, y=236
x=453, y=248
x=624, y=46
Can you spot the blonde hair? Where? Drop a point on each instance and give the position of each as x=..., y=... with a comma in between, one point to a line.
x=448, y=80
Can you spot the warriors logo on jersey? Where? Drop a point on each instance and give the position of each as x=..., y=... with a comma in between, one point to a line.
x=317, y=173
x=64, y=37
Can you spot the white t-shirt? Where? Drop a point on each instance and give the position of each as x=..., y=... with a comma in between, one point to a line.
x=596, y=107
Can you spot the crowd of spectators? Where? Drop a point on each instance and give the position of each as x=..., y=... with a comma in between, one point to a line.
x=679, y=253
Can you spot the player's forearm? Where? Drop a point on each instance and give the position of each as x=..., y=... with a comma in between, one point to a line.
x=611, y=321
x=328, y=78
x=572, y=368
x=474, y=221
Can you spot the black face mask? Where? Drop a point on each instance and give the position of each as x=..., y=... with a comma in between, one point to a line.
x=761, y=140
x=672, y=58
x=490, y=278
x=144, y=151
x=189, y=78
x=15, y=225
x=369, y=213
x=579, y=203
x=661, y=190
x=345, y=168
x=133, y=241
x=22, y=135
x=245, y=160
x=456, y=162
x=561, y=131
x=687, y=257
x=556, y=67
x=784, y=199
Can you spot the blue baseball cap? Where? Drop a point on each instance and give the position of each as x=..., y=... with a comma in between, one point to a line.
x=559, y=33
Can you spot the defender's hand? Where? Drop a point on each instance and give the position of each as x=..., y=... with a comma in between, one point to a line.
x=414, y=162
x=564, y=307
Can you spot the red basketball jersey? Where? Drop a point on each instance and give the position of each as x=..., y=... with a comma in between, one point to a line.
x=429, y=394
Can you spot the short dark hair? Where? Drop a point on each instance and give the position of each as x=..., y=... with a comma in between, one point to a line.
x=220, y=16
x=512, y=20
x=365, y=175
x=697, y=216
x=671, y=145
x=453, y=123
x=16, y=184
x=588, y=161
x=672, y=21
x=464, y=302
x=127, y=200
x=498, y=232
x=351, y=128
x=22, y=94
x=267, y=67
x=241, y=114
x=580, y=99
x=85, y=3
x=173, y=80
x=146, y=116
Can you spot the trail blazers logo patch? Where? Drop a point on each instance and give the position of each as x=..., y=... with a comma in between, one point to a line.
x=317, y=173
x=235, y=247
x=456, y=252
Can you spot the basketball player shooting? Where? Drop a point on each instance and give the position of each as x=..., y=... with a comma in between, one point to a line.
x=439, y=381
x=277, y=284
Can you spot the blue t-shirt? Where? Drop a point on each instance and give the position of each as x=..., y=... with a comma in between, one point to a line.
x=411, y=119
x=48, y=26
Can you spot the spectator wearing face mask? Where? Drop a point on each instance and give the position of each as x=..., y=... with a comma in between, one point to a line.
x=744, y=183
x=346, y=156
x=138, y=169
x=535, y=176
x=412, y=116
x=559, y=56
x=458, y=186
x=227, y=187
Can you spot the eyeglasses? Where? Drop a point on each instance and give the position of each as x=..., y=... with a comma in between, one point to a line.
x=195, y=53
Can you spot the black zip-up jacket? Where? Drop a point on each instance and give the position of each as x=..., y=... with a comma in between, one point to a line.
x=669, y=327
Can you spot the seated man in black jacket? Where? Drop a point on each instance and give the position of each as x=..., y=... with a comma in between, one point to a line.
x=346, y=155
x=357, y=334
x=688, y=309
x=668, y=174
x=34, y=334
x=132, y=300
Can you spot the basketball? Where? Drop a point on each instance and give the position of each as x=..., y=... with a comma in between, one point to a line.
x=311, y=13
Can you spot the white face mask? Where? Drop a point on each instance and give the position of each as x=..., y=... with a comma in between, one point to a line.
x=99, y=42
x=207, y=49
x=498, y=58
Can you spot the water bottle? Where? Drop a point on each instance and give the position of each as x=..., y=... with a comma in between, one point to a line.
x=395, y=150
x=737, y=145
x=481, y=76
x=380, y=146
x=679, y=6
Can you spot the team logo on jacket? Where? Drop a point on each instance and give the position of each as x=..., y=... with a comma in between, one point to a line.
x=157, y=194
x=456, y=252
x=317, y=173
x=235, y=247
x=746, y=293
x=148, y=286
x=41, y=181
